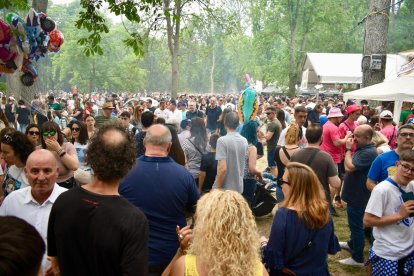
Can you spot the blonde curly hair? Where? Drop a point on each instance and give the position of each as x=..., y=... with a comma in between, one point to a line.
x=225, y=234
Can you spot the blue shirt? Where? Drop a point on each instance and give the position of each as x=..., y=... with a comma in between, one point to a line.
x=384, y=166
x=163, y=190
x=355, y=191
x=287, y=241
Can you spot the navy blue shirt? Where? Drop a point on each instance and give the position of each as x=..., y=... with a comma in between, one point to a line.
x=213, y=115
x=355, y=191
x=287, y=240
x=163, y=190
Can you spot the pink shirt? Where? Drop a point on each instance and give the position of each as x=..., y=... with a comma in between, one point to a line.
x=391, y=133
x=343, y=128
x=330, y=134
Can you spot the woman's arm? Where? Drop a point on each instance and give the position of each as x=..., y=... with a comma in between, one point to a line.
x=252, y=161
x=177, y=264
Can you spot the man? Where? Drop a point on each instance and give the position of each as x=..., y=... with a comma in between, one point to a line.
x=33, y=203
x=107, y=109
x=406, y=111
x=52, y=104
x=384, y=165
x=300, y=115
x=125, y=118
x=221, y=103
x=175, y=116
x=193, y=112
x=147, y=120
x=274, y=128
x=321, y=162
x=279, y=104
x=314, y=114
x=151, y=108
x=353, y=111
x=185, y=133
x=388, y=129
x=231, y=154
x=162, y=111
x=91, y=228
x=355, y=192
x=213, y=113
x=391, y=215
x=166, y=191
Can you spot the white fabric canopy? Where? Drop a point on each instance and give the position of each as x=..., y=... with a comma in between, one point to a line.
x=399, y=90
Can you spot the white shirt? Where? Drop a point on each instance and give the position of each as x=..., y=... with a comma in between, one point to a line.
x=393, y=241
x=175, y=117
x=302, y=142
x=21, y=204
x=162, y=113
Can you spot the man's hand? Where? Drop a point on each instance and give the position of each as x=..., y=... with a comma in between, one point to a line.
x=349, y=142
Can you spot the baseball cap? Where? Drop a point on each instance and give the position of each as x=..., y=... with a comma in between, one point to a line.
x=386, y=114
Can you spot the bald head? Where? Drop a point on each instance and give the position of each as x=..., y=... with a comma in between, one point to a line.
x=366, y=130
x=363, y=135
x=158, y=135
x=41, y=156
x=113, y=137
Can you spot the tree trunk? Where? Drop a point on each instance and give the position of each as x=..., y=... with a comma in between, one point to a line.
x=174, y=75
x=213, y=64
x=375, y=42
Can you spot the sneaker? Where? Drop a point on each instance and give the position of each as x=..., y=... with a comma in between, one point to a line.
x=344, y=246
x=350, y=261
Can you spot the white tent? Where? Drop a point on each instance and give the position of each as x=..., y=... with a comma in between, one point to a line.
x=399, y=90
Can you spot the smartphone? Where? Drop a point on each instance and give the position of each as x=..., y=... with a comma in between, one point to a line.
x=407, y=197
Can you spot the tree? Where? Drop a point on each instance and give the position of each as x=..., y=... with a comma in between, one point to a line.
x=375, y=41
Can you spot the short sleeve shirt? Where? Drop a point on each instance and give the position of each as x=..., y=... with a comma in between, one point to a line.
x=384, y=166
x=276, y=127
x=331, y=134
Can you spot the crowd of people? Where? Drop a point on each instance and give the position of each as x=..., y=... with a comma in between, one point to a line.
x=130, y=185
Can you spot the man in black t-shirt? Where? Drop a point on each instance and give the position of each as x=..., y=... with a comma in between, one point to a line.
x=213, y=113
x=92, y=230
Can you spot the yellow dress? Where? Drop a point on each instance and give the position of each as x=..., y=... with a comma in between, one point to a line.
x=191, y=266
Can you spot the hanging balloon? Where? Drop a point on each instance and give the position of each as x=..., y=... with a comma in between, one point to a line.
x=56, y=40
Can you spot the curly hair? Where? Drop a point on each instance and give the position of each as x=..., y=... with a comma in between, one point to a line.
x=111, y=160
x=227, y=240
x=20, y=144
x=293, y=134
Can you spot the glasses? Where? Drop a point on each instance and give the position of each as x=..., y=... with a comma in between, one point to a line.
x=75, y=129
x=269, y=113
x=47, y=133
x=141, y=110
x=407, y=168
x=280, y=182
x=406, y=134
x=34, y=133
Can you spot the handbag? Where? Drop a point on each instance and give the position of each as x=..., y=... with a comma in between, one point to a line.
x=263, y=202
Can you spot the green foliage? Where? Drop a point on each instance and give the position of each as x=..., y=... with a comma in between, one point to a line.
x=401, y=37
x=16, y=4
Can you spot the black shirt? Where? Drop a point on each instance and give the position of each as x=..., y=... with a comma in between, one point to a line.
x=209, y=165
x=93, y=234
x=197, y=114
x=24, y=115
x=139, y=138
x=212, y=116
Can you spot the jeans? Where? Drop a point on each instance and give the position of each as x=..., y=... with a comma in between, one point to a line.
x=249, y=187
x=279, y=193
x=356, y=225
x=271, y=158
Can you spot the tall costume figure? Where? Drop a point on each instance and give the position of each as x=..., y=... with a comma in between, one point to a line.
x=248, y=102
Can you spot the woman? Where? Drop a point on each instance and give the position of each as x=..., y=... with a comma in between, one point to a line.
x=195, y=146
x=15, y=149
x=77, y=112
x=176, y=152
x=220, y=122
x=90, y=125
x=64, y=152
x=33, y=134
x=378, y=139
x=136, y=118
x=249, y=132
x=302, y=233
x=281, y=116
x=3, y=120
x=224, y=242
x=80, y=140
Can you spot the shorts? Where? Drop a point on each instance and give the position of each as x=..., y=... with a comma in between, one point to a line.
x=381, y=266
x=341, y=169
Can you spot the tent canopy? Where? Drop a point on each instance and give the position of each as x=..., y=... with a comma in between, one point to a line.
x=331, y=68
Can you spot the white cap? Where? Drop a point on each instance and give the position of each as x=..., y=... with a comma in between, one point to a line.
x=386, y=114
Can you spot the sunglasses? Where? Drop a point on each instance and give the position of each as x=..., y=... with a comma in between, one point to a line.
x=34, y=132
x=47, y=133
x=141, y=110
x=406, y=134
x=75, y=129
x=269, y=113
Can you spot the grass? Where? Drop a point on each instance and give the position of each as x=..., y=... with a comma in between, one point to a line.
x=341, y=230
